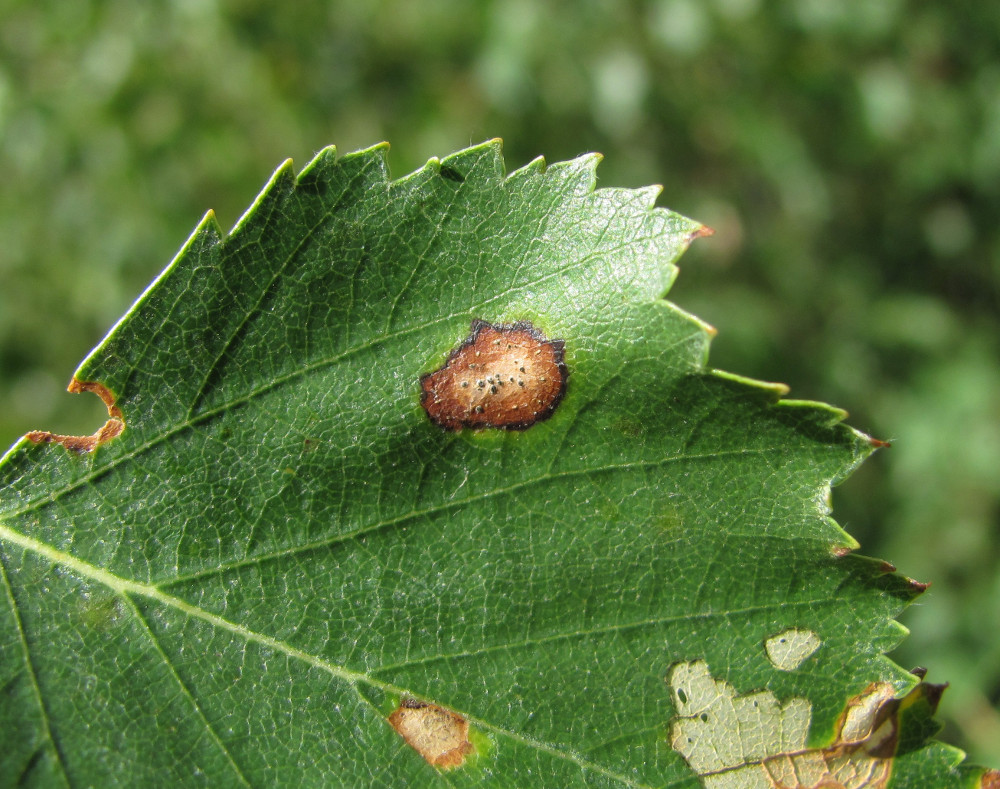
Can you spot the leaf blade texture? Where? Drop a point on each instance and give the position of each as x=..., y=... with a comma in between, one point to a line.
x=281, y=549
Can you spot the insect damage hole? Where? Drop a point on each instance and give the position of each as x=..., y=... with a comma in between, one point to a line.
x=437, y=734
x=504, y=376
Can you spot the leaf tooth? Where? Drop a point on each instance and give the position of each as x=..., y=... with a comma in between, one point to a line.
x=205, y=236
x=579, y=175
x=374, y=154
x=327, y=171
x=483, y=162
x=277, y=188
x=535, y=167
x=647, y=195
x=317, y=171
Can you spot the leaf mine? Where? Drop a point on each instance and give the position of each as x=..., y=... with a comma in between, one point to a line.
x=505, y=376
x=755, y=741
x=437, y=734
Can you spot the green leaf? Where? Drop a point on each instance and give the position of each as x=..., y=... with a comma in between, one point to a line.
x=280, y=553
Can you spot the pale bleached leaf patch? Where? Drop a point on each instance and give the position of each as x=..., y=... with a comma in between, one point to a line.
x=756, y=741
x=790, y=648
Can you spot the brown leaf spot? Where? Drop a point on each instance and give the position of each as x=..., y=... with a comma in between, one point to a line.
x=437, y=734
x=81, y=444
x=990, y=780
x=506, y=376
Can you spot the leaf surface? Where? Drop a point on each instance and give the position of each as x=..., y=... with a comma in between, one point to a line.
x=280, y=557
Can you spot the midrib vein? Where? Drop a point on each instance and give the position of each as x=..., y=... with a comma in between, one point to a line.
x=125, y=587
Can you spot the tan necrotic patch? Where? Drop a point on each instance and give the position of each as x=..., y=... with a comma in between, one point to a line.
x=437, y=734
x=506, y=376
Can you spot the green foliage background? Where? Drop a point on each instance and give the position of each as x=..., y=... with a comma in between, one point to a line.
x=847, y=154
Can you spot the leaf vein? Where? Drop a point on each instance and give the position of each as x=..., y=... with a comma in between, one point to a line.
x=125, y=587
x=32, y=675
x=186, y=691
x=597, y=631
x=413, y=515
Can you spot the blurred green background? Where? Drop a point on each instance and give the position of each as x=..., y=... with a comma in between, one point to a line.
x=847, y=152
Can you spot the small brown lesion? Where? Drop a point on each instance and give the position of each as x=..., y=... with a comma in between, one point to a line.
x=439, y=735
x=82, y=444
x=504, y=376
